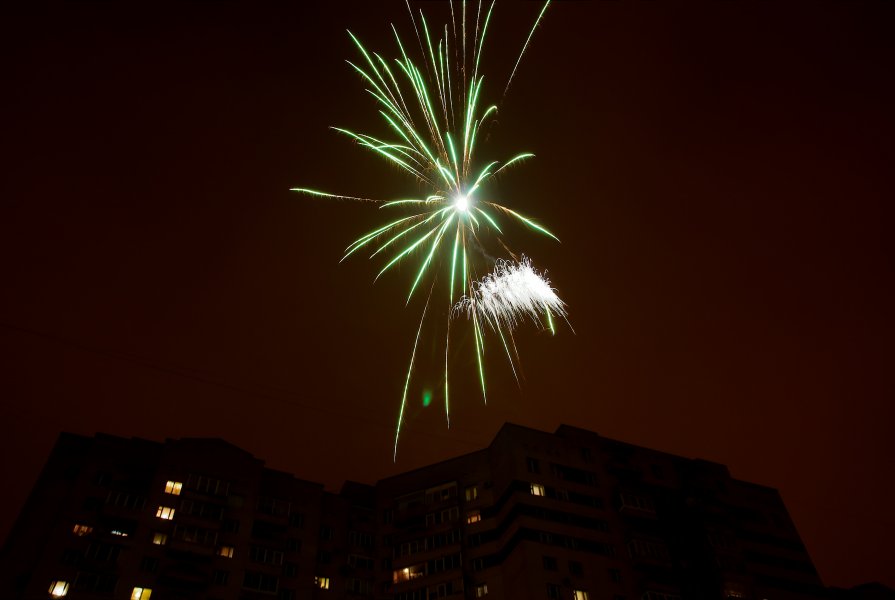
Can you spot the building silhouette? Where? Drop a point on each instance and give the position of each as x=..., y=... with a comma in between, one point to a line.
x=567, y=515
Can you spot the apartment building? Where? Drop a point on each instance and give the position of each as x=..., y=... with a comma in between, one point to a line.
x=567, y=515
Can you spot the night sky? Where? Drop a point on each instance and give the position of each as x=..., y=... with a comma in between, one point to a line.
x=719, y=174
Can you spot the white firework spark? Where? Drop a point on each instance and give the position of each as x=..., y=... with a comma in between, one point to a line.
x=514, y=290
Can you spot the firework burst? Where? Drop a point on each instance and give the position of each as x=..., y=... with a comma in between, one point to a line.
x=435, y=111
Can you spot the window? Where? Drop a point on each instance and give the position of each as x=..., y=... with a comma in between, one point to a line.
x=149, y=564
x=159, y=539
x=537, y=489
x=290, y=569
x=58, y=588
x=173, y=488
x=322, y=582
x=634, y=502
x=481, y=590
x=230, y=525
x=360, y=562
x=409, y=573
x=265, y=555
x=260, y=582
x=219, y=577
x=579, y=595
x=118, y=532
x=293, y=545
x=576, y=568
x=549, y=563
x=81, y=530
x=297, y=520
x=553, y=591
x=647, y=549
x=533, y=465
x=165, y=512
x=226, y=551
x=472, y=492
x=473, y=516
x=326, y=533
x=141, y=593
x=615, y=575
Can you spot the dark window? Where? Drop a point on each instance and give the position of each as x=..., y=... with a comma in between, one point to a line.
x=550, y=563
x=657, y=471
x=71, y=557
x=615, y=575
x=297, y=520
x=219, y=577
x=553, y=591
x=293, y=545
x=576, y=568
x=286, y=595
x=260, y=582
x=533, y=466
x=149, y=564
x=230, y=526
x=290, y=569
x=326, y=533
x=388, y=516
x=91, y=503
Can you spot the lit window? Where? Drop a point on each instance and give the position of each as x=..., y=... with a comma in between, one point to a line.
x=173, y=487
x=165, y=512
x=226, y=551
x=481, y=590
x=82, y=530
x=159, y=539
x=141, y=593
x=118, y=532
x=58, y=588
x=473, y=516
x=409, y=573
x=537, y=489
x=322, y=582
x=579, y=595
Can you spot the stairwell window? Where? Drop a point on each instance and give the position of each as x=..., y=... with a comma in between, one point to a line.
x=165, y=512
x=173, y=487
x=58, y=588
x=537, y=489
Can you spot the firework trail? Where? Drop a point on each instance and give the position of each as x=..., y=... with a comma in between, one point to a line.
x=435, y=112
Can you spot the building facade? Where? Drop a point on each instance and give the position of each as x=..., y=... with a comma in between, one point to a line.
x=567, y=515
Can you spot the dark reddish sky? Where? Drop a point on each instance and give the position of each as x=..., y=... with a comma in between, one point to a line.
x=719, y=175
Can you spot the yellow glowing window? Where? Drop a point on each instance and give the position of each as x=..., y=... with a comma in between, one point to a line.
x=165, y=512
x=58, y=588
x=322, y=582
x=579, y=595
x=538, y=490
x=82, y=530
x=481, y=590
x=173, y=487
x=118, y=532
x=473, y=516
x=159, y=539
x=226, y=551
x=141, y=593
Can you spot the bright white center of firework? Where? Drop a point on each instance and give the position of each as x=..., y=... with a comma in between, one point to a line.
x=461, y=203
